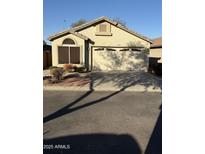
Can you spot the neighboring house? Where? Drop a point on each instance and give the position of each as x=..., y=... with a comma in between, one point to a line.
x=155, y=56
x=47, y=57
x=101, y=44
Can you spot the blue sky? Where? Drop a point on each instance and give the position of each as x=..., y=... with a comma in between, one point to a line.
x=142, y=16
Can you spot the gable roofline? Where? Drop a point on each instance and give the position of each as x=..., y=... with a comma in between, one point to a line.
x=51, y=38
x=79, y=35
x=103, y=18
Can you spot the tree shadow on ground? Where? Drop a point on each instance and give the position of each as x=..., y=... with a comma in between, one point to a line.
x=92, y=144
x=155, y=142
x=121, y=80
x=67, y=109
x=134, y=58
x=135, y=64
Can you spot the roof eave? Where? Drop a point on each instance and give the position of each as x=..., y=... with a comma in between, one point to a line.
x=51, y=38
x=156, y=46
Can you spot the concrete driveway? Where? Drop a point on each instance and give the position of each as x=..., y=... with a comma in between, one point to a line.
x=129, y=81
x=102, y=122
x=114, y=81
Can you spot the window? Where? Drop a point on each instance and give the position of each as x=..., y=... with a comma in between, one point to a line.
x=135, y=49
x=69, y=55
x=102, y=28
x=110, y=49
x=68, y=41
x=126, y=49
x=75, y=55
x=63, y=55
x=99, y=49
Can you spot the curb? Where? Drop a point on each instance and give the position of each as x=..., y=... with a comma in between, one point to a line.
x=50, y=88
x=60, y=88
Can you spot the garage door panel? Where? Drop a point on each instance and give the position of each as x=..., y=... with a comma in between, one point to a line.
x=118, y=60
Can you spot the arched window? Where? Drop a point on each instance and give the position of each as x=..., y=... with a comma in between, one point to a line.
x=68, y=41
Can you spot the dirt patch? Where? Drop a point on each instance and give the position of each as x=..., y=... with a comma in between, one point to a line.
x=71, y=81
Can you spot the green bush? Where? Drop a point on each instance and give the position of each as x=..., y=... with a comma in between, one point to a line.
x=51, y=67
x=57, y=73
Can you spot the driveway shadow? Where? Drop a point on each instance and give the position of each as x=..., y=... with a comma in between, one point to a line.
x=121, y=80
x=155, y=142
x=92, y=144
x=68, y=108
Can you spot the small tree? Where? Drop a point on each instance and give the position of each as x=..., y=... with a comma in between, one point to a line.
x=121, y=22
x=44, y=42
x=78, y=23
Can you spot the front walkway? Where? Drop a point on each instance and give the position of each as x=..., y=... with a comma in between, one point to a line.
x=110, y=81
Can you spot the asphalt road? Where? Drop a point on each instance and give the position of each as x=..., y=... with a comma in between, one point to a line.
x=102, y=122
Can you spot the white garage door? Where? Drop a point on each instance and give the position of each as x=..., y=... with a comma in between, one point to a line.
x=109, y=59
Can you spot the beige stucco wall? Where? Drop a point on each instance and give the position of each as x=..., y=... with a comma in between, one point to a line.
x=59, y=41
x=118, y=37
x=156, y=53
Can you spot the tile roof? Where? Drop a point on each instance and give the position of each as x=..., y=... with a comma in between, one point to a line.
x=157, y=42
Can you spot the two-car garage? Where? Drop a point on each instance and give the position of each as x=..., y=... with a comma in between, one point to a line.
x=118, y=58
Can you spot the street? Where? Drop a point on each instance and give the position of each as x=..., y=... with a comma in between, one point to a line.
x=102, y=122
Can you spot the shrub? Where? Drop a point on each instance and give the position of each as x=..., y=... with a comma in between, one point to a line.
x=80, y=69
x=68, y=67
x=57, y=73
x=51, y=67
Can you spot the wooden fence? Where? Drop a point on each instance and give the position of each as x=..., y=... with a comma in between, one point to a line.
x=47, y=59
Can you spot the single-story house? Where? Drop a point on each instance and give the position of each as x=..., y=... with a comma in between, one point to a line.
x=155, y=56
x=101, y=44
